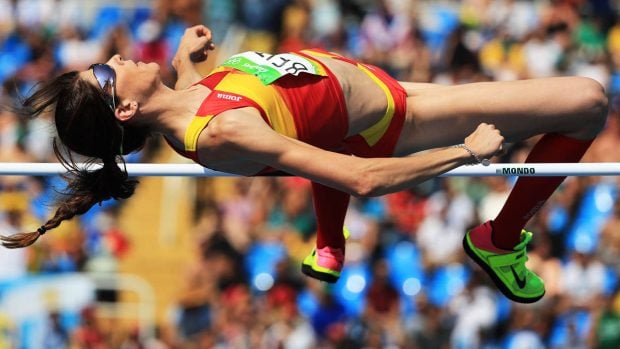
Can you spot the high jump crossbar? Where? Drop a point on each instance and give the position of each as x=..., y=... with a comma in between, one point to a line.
x=195, y=170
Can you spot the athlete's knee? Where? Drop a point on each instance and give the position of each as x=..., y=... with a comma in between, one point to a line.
x=593, y=104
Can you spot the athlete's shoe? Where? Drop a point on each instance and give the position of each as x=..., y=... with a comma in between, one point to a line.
x=506, y=269
x=325, y=263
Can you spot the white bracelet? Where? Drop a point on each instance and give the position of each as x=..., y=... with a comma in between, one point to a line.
x=484, y=162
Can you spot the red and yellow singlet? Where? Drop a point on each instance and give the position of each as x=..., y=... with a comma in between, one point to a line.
x=300, y=98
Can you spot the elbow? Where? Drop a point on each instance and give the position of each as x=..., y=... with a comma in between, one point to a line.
x=365, y=186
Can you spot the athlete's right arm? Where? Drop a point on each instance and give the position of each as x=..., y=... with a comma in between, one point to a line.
x=194, y=48
x=248, y=139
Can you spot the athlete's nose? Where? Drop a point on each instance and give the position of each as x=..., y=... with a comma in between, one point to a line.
x=116, y=59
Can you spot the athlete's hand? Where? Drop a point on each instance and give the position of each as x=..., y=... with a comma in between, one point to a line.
x=195, y=45
x=486, y=141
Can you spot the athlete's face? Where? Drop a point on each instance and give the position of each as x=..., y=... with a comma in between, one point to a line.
x=131, y=80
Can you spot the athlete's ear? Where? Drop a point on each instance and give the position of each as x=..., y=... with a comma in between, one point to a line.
x=126, y=110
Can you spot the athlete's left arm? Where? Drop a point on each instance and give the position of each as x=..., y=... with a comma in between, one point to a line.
x=193, y=49
x=246, y=137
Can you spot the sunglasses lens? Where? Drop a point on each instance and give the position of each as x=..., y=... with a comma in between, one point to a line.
x=105, y=75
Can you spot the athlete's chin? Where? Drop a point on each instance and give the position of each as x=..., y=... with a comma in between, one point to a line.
x=150, y=65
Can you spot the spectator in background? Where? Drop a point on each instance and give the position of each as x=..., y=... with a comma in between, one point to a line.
x=604, y=149
x=216, y=268
x=420, y=59
x=502, y=57
x=406, y=210
x=57, y=336
x=295, y=27
x=383, y=306
x=188, y=11
x=197, y=294
x=241, y=213
x=583, y=278
x=329, y=319
x=221, y=15
x=608, y=250
x=462, y=63
x=526, y=329
x=328, y=26
x=262, y=20
x=89, y=334
x=386, y=37
x=12, y=137
x=75, y=50
x=236, y=325
x=429, y=326
x=108, y=244
x=542, y=54
x=474, y=311
x=450, y=212
x=606, y=323
x=498, y=190
x=287, y=329
x=14, y=215
x=292, y=211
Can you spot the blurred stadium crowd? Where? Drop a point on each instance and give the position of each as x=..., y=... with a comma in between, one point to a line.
x=406, y=283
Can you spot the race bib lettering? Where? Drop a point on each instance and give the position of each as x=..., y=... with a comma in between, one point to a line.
x=269, y=68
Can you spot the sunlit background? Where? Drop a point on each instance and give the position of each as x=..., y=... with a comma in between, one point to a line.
x=214, y=262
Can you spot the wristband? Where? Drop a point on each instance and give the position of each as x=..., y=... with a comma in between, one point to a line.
x=484, y=162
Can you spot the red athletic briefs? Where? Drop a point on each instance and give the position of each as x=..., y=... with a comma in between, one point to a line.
x=310, y=108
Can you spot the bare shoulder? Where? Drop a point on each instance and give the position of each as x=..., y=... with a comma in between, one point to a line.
x=229, y=127
x=226, y=143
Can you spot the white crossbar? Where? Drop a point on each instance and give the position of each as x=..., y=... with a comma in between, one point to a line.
x=194, y=170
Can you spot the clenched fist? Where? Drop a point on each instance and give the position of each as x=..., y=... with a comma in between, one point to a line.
x=195, y=45
x=486, y=141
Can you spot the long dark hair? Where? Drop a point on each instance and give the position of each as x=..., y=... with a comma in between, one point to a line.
x=87, y=126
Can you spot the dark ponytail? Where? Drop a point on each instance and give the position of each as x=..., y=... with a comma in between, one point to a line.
x=86, y=126
x=85, y=188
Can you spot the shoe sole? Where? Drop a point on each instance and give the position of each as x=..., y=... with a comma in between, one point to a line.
x=498, y=283
x=306, y=269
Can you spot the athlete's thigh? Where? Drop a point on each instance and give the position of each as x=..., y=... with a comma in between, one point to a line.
x=444, y=115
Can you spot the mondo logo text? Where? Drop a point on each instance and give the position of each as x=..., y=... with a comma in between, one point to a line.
x=517, y=170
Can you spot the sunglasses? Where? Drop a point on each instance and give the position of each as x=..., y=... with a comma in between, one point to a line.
x=106, y=77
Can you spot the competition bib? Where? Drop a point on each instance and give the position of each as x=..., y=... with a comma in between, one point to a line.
x=269, y=68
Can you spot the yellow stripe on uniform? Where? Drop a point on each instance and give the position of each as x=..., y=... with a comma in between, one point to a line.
x=192, y=132
x=280, y=117
x=374, y=133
